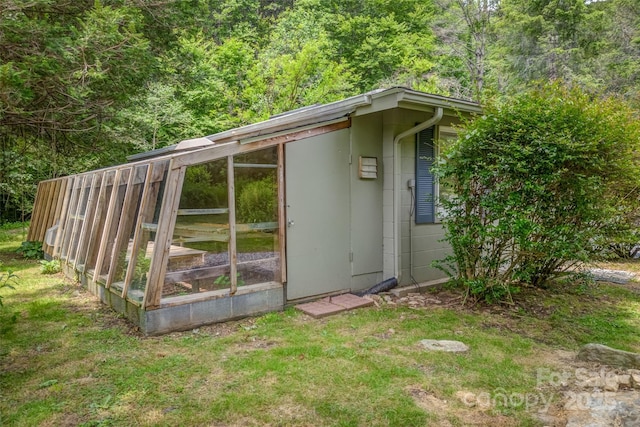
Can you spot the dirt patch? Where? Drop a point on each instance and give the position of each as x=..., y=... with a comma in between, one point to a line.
x=468, y=416
x=426, y=400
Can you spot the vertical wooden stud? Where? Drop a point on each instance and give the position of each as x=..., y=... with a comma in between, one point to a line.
x=104, y=241
x=122, y=236
x=166, y=224
x=233, y=254
x=87, y=222
x=64, y=215
x=137, y=236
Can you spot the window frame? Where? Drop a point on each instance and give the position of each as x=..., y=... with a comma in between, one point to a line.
x=439, y=133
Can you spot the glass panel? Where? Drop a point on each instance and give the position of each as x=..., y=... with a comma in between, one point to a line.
x=111, y=228
x=147, y=231
x=199, y=255
x=90, y=215
x=71, y=217
x=256, y=194
x=80, y=213
x=126, y=230
x=97, y=230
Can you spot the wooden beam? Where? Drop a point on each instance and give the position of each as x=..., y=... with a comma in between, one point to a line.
x=70, y=219
x=166, y=223
x=55, y=198
x=282, y=216
x=64, y=192
x=109, y=218
x=97, y=226
x=123, y=231
x=137, y=235
x=217, y=152
x=78, y=219
x=195, y=274
x=233, y=254
x=45, y=223
x=38, y=219
x=31, y=235
x=87, y=222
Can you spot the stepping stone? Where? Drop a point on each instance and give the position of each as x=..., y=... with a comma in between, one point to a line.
x=333, y=305
x=445, y=345
x=349, y=301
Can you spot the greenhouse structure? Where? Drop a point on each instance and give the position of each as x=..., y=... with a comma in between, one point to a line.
x=315, y=202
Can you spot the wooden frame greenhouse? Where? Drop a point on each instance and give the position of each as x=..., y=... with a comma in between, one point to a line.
x=200, y=232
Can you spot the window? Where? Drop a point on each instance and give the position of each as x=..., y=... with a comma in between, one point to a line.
x=425, y=181
x=428, y=189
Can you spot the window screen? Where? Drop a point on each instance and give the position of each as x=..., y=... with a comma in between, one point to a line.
x=425, y=182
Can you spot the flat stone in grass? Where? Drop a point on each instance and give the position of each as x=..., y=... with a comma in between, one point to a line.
x=609, y=356
x=614, y=276
x=445, y=345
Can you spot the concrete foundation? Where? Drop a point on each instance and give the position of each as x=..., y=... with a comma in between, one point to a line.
x=188, y=314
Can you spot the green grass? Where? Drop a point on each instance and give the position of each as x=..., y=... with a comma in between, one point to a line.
x=67, y=360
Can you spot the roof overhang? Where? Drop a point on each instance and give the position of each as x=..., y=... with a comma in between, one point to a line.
x=320, y=115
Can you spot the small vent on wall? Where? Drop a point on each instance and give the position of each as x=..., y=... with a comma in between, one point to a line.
x=368, y=167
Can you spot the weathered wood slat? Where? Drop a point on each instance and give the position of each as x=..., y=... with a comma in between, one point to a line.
x=97, y=226
x=233, y=255
x=64, y=192
x=51, y=219
x=87, y=220
x=124, y=225
x=185, y=212
x=166, y=222
x=282, y=265
x=229, y=149
x=137, y=236
x=102, y=247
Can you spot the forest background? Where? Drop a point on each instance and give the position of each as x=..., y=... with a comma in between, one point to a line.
x=83, y=84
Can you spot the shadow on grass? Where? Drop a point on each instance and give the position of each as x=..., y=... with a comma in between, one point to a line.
x=570, y=316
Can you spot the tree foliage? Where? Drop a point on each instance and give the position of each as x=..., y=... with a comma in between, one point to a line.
x=540, y=182
x=83, y=84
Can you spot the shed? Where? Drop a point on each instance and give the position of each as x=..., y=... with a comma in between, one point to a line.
x=317, y=201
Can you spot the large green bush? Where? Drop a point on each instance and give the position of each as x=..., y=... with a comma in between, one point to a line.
x=541, y=182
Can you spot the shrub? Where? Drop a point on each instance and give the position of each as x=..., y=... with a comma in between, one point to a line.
x=50, y=267
x=541, y=183
x=31, y=250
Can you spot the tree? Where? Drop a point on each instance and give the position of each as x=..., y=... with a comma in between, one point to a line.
x=67, y=66
x=464, y=29
x=541, y=182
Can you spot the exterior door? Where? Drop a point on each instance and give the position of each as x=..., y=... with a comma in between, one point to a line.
x=317, y=198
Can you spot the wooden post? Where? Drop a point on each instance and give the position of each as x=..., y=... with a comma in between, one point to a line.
x=87, y=222
x=95, y=235
x=233, y=255
x=121, y=235
x=104, y=241
x=36, y=214
x=62, y=199
x=282, y=215
x=71, y=245
x=166, y=224
x=137, y=235
x=66, y=214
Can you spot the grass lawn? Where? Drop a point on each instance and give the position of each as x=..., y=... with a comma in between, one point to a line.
x=67, y=360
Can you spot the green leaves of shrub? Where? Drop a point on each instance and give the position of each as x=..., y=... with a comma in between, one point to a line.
x=542, y=182
x=50, y=267
x=31, y=250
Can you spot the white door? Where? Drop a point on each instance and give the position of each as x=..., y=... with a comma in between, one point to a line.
x=317, y=198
